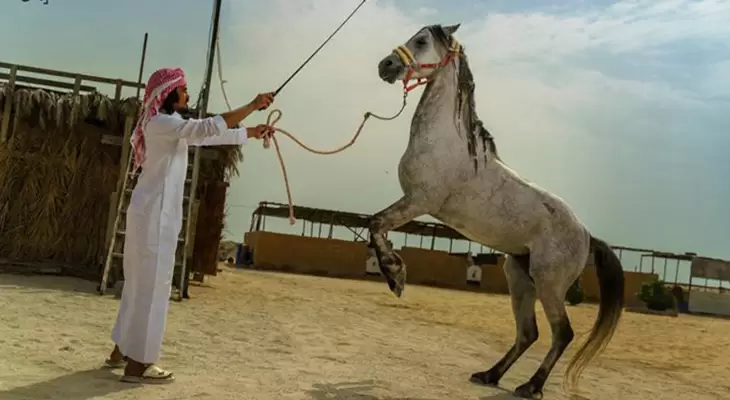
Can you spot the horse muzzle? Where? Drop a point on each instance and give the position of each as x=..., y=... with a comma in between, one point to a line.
x=391, y=68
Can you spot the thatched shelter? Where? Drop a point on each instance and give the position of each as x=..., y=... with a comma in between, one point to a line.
x=61, y=156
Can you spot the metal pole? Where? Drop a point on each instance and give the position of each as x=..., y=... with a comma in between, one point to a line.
x=141, y=63
x=676, y=273
x=203, y=108
x=653, y=258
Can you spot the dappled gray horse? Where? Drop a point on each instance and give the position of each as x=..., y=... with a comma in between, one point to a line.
x=451, y=171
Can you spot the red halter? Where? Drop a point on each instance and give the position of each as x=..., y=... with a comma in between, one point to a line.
x=408, y=59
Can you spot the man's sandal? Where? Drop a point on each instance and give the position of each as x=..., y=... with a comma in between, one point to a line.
x=153, y=374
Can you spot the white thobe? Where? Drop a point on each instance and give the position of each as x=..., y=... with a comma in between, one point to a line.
x=154, y=221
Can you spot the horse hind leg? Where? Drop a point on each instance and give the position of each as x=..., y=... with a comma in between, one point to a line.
x=551, y=290
x=389, y=262
x=523, y=296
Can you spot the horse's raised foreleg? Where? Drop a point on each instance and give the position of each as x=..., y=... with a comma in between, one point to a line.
x=391, y=265
x=523, y=296
x=551, y=292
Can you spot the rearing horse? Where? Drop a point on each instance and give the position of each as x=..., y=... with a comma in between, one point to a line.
x=451, y=171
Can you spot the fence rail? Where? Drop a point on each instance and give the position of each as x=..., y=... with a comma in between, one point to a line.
x=71, y=75
x=17, y=74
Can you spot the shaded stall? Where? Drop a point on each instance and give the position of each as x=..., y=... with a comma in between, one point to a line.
x=63, y=149
x=317, y=250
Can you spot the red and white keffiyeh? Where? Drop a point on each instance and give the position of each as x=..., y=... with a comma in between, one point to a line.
x=161, y=83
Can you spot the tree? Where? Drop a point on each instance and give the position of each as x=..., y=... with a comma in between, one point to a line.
x=656, y=296
x=575, y=293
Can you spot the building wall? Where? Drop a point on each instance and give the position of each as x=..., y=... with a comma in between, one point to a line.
x=709, y=303
x=493, y=278
x=433, y=267
x=301, y=254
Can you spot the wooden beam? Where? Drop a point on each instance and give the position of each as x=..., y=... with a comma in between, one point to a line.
x=46, y=82
x=8, y=105
x=70, y=75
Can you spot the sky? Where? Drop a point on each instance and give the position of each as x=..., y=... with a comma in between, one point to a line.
x=618, y=107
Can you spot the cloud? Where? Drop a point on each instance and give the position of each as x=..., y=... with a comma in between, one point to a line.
x=555, y=88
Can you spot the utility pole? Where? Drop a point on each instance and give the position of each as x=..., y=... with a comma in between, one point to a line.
x=203, y=107
x=202, y=111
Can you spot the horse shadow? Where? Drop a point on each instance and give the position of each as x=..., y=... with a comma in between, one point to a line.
x=506, y=395
x=350, y=390
x=81, y=385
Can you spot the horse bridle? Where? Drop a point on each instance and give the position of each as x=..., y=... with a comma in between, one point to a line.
x=409, y=60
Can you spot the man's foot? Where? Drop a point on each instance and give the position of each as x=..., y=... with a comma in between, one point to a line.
x=136, y=372
x=116, y=359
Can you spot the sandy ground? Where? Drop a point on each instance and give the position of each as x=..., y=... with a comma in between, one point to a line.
x=257, y=335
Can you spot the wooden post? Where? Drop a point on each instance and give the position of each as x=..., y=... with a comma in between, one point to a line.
x=77, y=85
x=8, y=104
x=126, y=149
x=332, y=226
x=118, y=92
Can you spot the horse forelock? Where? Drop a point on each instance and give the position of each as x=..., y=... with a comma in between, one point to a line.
x=465, y=104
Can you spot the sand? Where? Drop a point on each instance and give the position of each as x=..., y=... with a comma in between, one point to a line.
x=259, y=335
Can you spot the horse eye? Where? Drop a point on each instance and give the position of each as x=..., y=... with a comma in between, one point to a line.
x=421, y=42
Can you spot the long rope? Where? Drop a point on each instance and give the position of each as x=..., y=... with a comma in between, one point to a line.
x=274, y=117
x=271, y=121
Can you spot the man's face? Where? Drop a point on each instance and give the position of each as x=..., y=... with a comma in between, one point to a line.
x=182, y=93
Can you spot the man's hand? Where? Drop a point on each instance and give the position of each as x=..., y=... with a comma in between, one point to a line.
x=260, y=131
x=263, y=101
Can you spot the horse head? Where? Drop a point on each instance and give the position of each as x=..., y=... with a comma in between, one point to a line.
x=422, y=56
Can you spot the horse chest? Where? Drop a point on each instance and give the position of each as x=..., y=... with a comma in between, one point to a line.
x=425, y=164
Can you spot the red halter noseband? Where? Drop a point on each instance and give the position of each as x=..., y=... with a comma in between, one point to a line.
x=409, y=60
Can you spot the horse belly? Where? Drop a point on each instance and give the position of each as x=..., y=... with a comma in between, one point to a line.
x=497, y=221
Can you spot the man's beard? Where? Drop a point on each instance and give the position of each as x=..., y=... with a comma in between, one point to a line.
x=184, y=111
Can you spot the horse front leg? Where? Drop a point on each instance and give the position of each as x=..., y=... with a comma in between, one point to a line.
x=390, y=263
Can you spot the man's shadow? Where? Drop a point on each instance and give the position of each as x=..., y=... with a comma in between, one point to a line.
x=350, y=390
x=82, y=385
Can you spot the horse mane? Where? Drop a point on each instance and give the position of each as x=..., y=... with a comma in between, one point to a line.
x=465, y=105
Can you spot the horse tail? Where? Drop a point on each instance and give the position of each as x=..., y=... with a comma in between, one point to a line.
x=611, y=285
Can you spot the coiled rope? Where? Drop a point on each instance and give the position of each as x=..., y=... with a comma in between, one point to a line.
x=274, y=117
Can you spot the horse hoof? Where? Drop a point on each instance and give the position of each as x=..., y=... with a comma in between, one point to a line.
x=396, y=283
x=527, y=391
x=485, y=378
x=395, y=274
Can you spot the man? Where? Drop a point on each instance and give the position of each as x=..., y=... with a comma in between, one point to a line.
x=154, y=218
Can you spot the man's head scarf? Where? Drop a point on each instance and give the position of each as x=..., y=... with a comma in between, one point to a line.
x=161, y=83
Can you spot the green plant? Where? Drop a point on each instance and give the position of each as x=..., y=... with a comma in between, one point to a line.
x=656, y=296
x=575, y=293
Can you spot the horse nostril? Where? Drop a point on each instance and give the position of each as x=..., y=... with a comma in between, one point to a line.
x=388, y=63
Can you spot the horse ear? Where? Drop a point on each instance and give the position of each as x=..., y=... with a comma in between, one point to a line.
x=451, y=29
